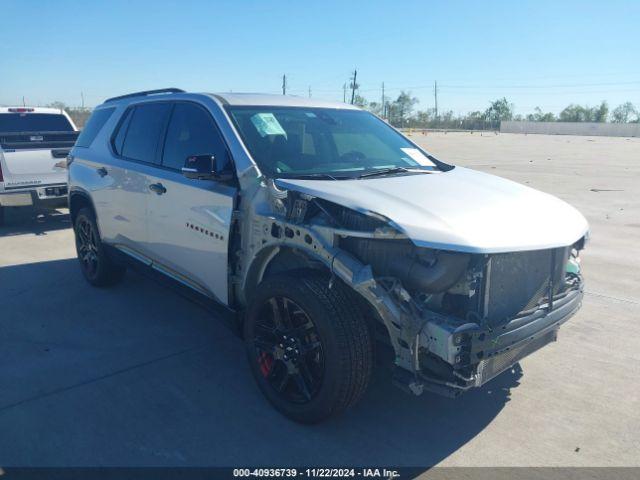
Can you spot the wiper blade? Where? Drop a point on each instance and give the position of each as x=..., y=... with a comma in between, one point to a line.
x=313, y=176
x=386, y=171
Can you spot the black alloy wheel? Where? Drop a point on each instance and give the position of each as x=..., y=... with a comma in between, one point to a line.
x=308, y=344
x=289, y=350
x=87, y=246
x=96, y=265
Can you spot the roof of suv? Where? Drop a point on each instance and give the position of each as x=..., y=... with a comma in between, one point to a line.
x=271, y=100
x=240, y=99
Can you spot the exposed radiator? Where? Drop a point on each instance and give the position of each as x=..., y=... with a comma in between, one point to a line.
x=520, y=281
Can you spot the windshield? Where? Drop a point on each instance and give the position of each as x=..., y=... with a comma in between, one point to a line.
x=34, y=122
x=324, y=143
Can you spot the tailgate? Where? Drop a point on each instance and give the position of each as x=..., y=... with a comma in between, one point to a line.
x=34, y=158
x=26, y=168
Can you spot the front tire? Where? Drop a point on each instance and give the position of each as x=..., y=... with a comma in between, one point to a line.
x=95, y=264
x=308, y=345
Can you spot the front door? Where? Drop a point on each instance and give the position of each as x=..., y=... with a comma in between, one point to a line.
x=189, y=220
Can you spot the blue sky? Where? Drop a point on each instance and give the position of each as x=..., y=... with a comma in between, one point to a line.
x=537, y=53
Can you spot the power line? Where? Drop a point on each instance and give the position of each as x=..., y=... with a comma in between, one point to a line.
x=480, y=87
x=505, y=86
x=480, y=93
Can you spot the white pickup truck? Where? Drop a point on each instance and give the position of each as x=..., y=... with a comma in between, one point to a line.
x=34, y=144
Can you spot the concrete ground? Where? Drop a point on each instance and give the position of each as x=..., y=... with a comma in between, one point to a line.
x=138, y=375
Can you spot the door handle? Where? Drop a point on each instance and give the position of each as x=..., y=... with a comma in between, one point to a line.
x=102, y=171
x=157, y=188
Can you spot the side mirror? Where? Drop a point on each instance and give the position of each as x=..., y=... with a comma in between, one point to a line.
x=200, y=167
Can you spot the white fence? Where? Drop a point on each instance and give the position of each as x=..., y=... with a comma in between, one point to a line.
x=573, y=128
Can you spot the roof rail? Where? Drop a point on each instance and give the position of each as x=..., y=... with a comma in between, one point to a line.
x=144, y=93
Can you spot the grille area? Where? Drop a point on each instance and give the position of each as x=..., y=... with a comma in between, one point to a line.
x=519, y=281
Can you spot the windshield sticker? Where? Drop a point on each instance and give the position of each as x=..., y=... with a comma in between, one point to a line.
x=267, y=124
x=417, y=156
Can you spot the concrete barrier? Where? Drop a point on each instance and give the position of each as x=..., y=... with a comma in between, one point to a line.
x=573, y=128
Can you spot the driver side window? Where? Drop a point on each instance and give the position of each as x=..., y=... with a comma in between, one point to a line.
x=191, y=131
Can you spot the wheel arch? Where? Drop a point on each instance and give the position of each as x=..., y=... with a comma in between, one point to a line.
x=79, y=199
x=277, y=258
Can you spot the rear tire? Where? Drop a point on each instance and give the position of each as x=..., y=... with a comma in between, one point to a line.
x=326, y=367
x=96, y=265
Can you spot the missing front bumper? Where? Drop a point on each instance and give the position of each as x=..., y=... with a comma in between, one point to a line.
x=492, y=367
x=483, y=354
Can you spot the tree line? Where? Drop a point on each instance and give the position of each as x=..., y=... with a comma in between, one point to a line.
x=79, y=115
x=402, y=113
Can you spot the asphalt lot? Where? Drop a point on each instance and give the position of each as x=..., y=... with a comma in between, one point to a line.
x=138, y=375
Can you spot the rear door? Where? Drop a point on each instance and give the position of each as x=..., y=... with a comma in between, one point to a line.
x=121, y=201
x=189, y=220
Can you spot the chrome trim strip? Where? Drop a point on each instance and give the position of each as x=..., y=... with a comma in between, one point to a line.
x=182, y=279
x=165, y=270
x=132, y=253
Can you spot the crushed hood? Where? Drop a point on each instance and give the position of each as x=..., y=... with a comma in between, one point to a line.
x=462, y=209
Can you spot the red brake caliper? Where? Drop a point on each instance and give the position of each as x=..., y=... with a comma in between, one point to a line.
x=266, y=361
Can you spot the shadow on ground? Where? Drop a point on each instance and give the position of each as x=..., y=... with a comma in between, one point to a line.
x=19, y=221
x=138, y=375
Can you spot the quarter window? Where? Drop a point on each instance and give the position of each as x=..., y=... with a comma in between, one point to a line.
x=94, y=125
x=192, y=131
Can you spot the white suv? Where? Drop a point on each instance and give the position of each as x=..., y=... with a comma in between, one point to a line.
x=321, y=228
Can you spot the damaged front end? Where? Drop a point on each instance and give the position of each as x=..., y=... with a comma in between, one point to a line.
x=461, y=319
x=455, y=320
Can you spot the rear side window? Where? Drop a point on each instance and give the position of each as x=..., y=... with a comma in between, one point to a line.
x=34, y=122
x=93, y=126
x=191, y=131
x=143, y=131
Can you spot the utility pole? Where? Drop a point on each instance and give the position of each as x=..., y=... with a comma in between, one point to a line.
x=435, y=94
x=82, y=97
x=309, y=91
x=284, y=84
x=354, y=86
x=344, y=93
x=382, y=103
